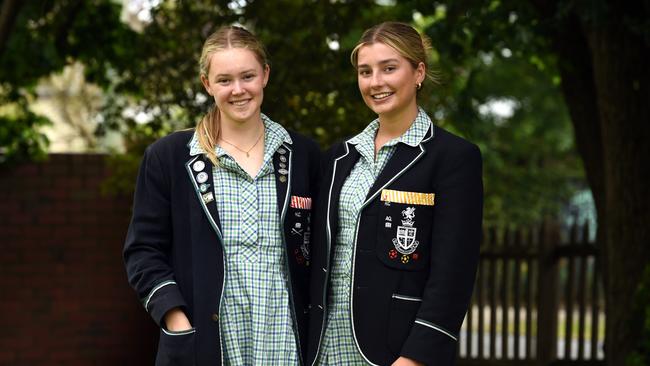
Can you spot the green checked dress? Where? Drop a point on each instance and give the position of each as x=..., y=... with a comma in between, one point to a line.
x=338, y=347
x=256, y=324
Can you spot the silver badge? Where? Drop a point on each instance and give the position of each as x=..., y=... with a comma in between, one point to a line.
x=204, y=187
x=202, y=177
x=283, y=165
x=405, y=242
x=304, y=248
x=208, y=197
x=283, y=171
x=282, y=151
x=283, y=158
x=198, y=166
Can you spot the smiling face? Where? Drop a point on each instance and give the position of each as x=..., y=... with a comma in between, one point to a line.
x=387, y=80
x=236, y=79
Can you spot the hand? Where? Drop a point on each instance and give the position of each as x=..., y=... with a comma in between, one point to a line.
x=176, y=320
x=404, y=361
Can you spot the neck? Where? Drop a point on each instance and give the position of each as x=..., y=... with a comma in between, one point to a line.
x=241, y=133
x=396, y=124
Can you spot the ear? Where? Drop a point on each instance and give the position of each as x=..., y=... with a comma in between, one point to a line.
x=420, y=72
x=206, y=83
x=267, y=71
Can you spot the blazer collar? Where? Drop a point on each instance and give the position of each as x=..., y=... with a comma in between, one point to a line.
x=199, y=169
x=200, y=172
x=403, y=159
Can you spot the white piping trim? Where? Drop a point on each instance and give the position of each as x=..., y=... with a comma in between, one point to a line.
x=219, y=236
x=433, y=326
x=158, y=287
x=407, y=298
x=183, y=332
x=327, y=256
x=284, y=239
x=198, y=195
x=354, y=248
x=391, y=181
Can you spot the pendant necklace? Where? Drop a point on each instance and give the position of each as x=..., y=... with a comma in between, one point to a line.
x=242, y=150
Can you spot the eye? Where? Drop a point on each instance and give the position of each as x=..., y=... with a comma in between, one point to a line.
x=249, y=76
x=223, y=81
x=364, y=72
x=390, y=68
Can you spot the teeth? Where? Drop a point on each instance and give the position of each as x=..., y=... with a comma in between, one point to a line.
x=239, y=102
x=381, y=95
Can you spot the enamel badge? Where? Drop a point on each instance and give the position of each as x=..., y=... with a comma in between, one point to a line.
x=404, y=241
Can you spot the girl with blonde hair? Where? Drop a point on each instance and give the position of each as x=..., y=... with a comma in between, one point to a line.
x=218, y=246
x=398, y=230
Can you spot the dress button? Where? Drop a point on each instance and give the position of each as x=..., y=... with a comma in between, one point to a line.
x=215, y=317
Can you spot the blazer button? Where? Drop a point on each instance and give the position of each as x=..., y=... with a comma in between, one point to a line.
x=215, y=317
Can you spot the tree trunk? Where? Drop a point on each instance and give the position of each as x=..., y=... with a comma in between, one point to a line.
x=606, y=86
x=8, y=13
x=620, y=58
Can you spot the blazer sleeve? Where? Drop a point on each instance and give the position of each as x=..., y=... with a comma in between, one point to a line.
x=147, y=248
x=454, y=244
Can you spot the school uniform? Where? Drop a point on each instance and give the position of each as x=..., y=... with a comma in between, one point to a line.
x=229, y=249
x=395, y=249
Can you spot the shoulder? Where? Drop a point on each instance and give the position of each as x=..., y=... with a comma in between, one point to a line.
x=172, y=143
x=304, y=143
x=451, y=145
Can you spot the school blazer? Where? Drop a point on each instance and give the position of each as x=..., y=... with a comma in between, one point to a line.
x=173, y=251
x=414, y=254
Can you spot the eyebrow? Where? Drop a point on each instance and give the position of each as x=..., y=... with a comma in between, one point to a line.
x=382, y=62
x=241, y=73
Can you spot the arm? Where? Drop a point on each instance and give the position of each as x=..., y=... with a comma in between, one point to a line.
x=148, y=242
x=454, y=257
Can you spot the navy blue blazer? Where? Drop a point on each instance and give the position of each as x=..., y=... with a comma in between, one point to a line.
x=415, y=254
x=173, y=252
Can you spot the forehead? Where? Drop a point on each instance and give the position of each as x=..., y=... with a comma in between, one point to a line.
x=233, y=61
x=376, y=53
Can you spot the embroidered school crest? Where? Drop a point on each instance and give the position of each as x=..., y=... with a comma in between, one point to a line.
x=404, y=241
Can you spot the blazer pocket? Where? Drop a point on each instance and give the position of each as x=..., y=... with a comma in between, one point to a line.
x=176, y=348
x=403, y=311
x=404, y=235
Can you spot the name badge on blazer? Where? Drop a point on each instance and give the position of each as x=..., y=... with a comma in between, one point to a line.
x=409, y=198
x=303, y=203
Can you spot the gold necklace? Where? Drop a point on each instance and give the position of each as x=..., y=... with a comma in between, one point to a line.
x=245, y=151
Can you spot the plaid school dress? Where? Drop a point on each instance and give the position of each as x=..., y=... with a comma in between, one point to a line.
x=256, y=325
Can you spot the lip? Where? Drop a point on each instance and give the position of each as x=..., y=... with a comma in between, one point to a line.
x=240, y=102
x=378, y=97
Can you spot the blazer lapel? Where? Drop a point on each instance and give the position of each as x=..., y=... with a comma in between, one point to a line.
x=199, y=169
x=282, y=171
x=343, y=164
x=403, y=158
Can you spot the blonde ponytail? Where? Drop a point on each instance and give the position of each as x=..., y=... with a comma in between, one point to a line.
x=207, y=132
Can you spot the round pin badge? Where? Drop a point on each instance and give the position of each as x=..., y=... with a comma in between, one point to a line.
x=283, y=178
x=283, y=158
x=202, y=177
x=283, y=165
x=203, y=187
x=283, y=171
x=282, y=151
x=198, y=166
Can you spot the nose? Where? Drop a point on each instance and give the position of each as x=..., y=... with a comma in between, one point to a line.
x=376, y=80
x=237, y=88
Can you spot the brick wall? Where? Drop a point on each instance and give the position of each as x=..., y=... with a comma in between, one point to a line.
x=64, y=297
